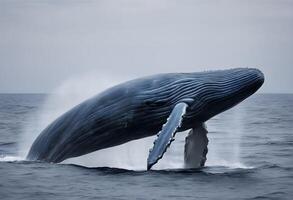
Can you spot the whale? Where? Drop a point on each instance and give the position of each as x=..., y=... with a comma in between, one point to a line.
x=162, y=104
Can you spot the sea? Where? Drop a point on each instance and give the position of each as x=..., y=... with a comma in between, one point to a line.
x=250, y=157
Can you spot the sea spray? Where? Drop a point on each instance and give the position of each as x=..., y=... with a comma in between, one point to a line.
x=225, y=143
x=71, y=92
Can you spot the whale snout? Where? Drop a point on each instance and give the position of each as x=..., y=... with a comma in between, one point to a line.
x=227, y=88
x=241, y=84
x=260, y=78
x=255, y=80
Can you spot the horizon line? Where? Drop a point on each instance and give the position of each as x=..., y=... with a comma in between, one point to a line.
x=48, y=93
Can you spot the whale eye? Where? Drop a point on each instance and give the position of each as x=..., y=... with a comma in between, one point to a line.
x=155, y=103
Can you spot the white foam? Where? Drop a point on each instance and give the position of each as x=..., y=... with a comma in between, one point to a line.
x=228, y=164
x=4, y=158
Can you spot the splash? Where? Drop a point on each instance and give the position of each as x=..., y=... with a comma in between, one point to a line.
x=70, y=93
x=5, y=158
x=225, y=146
x=133, y=156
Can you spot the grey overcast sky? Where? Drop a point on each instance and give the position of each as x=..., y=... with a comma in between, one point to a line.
x=43, y=43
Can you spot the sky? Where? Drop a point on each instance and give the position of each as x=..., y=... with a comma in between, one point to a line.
x=44, y=43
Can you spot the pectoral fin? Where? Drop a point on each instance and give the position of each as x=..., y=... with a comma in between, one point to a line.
x=196, y=147
x=166, y=135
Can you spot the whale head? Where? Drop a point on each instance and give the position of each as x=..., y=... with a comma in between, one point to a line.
x=211, y=93
x=206, y=93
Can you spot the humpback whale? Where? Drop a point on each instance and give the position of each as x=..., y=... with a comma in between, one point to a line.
x=162, y=104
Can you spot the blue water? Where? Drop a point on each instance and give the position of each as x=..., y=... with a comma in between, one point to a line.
x=250, y=157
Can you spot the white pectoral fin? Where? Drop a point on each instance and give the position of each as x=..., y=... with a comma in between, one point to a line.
x=196, y=149
x=166, y=135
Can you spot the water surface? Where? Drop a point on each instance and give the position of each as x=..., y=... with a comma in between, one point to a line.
x=250, y=157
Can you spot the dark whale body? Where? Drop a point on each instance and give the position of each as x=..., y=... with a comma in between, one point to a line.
x=140, y=108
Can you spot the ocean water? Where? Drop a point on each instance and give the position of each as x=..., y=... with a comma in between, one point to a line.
x=250, y=157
